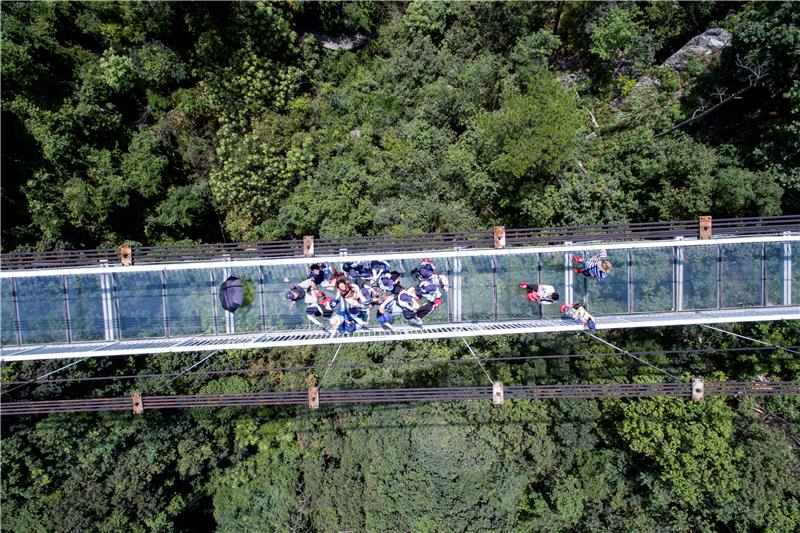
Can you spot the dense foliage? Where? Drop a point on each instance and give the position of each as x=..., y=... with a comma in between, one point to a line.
x=162, y=123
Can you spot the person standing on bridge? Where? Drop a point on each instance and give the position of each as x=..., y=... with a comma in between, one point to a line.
x=541, y=294
x=596, y=267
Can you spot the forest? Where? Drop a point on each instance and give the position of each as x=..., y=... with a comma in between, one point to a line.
x=158, y=123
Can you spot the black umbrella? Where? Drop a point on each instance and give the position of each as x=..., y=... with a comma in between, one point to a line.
x=231, y=294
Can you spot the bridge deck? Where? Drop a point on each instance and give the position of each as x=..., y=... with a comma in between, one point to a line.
x=152, y=308
x=375, y=334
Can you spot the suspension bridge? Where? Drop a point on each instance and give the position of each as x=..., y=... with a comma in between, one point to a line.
x=150, y=300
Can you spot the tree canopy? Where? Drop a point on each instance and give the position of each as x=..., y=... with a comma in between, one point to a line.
x=174, y=122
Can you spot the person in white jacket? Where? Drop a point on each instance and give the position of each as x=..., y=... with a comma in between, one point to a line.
x=541, y=294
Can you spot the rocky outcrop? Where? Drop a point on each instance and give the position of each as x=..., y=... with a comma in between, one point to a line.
x=706, y=47
x=342, y=42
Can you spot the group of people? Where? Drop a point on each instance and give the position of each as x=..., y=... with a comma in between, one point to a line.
x=345, y=297
x=596, y=267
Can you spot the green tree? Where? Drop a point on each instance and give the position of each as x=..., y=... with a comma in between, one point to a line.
x=688, y=443
x=532, y=132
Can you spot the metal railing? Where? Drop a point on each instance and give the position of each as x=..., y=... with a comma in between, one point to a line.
x=375, y=396
x=400, y=243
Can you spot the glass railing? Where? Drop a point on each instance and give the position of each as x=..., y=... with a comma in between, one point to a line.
x=157, y=302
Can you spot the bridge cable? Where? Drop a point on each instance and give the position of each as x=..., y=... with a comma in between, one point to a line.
x=751, y=339
x=478, y=360
x=626, y=352
x=185, y=371
x=43, y=376
x=304, y=368
x=330, y=365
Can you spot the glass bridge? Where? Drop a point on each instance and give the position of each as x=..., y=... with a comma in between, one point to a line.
x=157, y=308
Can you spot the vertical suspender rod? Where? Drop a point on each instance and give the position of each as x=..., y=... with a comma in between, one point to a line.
x=67, y=317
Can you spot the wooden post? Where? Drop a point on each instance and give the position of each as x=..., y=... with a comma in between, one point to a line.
x=138, y=406
x=499, y=236
x=705, y=227
x=498, y=393
x=313, y=398
x=125, y=255
x=698, y=389
x=308, y=246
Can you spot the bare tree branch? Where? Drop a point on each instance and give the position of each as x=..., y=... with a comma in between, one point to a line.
x=755, y=72
x=594, y=120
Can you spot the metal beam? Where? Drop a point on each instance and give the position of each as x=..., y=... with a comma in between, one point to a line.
x=262, y=299
x=108, y=307
x=230, y=320
x=17, y=322
x=455, y=289
x=629, y=273
x=568, y=277
x=164, y=304
x=763, y=274
x=678, y=277
x=787, y=274
x=400, y=333
x=494, y=287
x=527, y=250
x=67, y=315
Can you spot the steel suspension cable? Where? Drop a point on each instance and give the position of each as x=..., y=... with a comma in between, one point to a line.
x=303, y=368
x=187, y=370
x=361, y=396
x=751, y=339
x=632, y=356
x=20, y=385
x=330, y=365
x=478, y=360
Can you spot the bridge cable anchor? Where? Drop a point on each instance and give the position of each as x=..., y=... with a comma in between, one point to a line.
x=498, y=393
x=313, y=398
x=698, y=389
x=138, y=406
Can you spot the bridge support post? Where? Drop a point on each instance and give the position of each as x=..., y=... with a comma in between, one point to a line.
x=629, y=282
x=705, y=227
x=308, y=246
x=262, y=299
x=494, y=288
x=787, y=273
x=164, y=304
x=138, y=406
x=498, y=393
x=313, y=398
x=499, y=236
x=698, y=389
x=125, y=254
x=67, y=315
x=107, y=301
x=568, y=276
x=678, y=276
x=214, y=313
x=230, y=320
x=17, y=320
x=455, y=288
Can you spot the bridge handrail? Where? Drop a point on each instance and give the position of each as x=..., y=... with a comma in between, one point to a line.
x=399, y=243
